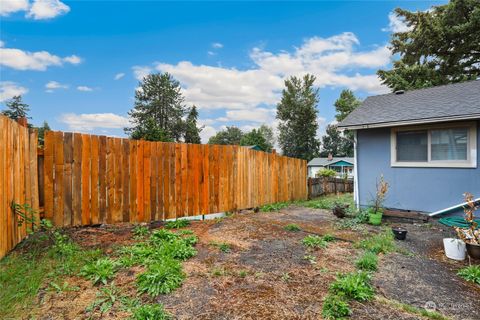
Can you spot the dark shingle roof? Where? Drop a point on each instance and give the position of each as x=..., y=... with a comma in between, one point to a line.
x=436, y=104
x=324, y=161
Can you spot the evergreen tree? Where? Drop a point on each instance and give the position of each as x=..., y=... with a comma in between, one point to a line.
x=255, y=138
x=231, y=135
x=192, y=131
x=344, y=105
x=267, y=133
x=41, y=132
x=297, y=113
x=16, y=108
x=159, y=109
x=440, y=47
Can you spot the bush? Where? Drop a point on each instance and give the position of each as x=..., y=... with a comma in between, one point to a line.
x=150, y=312
x=100, y=270
x=161, y=277
x=471, y=273
x=326, y=173
x=177, y=224
x=379, y=243
x=354, y=285
x=335, y=307
x=367, y=262
x=292, y=227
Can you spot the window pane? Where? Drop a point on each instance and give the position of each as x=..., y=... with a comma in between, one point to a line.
x=412, y=146
x=450, y=144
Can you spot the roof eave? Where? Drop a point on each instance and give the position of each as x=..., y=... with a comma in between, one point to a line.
x=408, y=122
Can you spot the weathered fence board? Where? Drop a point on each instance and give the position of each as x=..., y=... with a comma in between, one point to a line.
x=95, y=179
x=18, y=180
x=323, y=185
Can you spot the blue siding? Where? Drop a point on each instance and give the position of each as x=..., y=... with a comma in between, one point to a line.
x=421, y=189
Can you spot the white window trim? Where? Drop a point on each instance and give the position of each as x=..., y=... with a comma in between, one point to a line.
x=471, y=161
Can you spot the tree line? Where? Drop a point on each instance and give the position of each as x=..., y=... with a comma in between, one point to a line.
x=441, y=45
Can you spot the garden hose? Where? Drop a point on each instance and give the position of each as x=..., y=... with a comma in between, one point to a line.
x=457, y=222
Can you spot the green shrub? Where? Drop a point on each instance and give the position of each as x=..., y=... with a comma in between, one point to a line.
x=161, y=277
x=150, y=312
x=100, y=270
x=355, y=285
x=471, y=273
x=314, y=241
x=140, y=231
x=379, y=243
x=292, y=227
x=326, y=173
x=274, y=206
x=367, y=262
x=335, y=307
x=177, y=224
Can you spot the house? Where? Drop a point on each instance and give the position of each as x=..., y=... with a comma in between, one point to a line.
x=341, y=165
x=425, y=144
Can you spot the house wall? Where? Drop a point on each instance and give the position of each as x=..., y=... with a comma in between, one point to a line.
x=420, y=189
x=312, y=171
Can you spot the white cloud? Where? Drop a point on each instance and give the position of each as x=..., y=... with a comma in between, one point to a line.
x=211, y=53
x=2, y=44
x=47, y=9
x=9, y=89
x=261, y=115
x=335, y=61
x=217, y=45
x=51, y=86
x=11, y=6
x=84, y=88
x=206, y=133
x=73, y=59
x=119, y=76
x=25, y=60
x=90, y=121
x=396, y=24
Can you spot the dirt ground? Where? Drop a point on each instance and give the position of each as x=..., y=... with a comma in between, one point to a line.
x=266, y=276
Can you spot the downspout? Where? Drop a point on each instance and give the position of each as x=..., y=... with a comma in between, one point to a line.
x=356, y=193
x=449, y=209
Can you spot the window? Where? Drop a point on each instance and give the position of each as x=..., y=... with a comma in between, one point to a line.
x=452, y=145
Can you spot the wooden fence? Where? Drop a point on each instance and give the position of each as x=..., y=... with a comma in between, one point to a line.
x=323, y=185
x=92, y=179
x=18, y=179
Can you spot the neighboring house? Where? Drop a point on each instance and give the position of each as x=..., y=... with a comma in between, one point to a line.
x=341, y=165
x=425, y=144
x=254, y=147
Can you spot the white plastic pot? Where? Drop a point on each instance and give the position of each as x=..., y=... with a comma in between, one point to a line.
x=454, y=248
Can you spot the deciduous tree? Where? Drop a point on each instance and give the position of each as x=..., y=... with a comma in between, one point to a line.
x=231, y=135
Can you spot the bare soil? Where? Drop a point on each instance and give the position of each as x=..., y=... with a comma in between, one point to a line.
x=266, y=275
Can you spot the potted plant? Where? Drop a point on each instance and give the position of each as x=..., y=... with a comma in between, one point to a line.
x=375, y=212
x=339, y=209
x=470, y=235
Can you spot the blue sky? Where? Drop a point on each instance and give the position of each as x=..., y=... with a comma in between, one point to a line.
x=77, y=63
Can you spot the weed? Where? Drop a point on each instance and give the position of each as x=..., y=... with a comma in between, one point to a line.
x=367, y=262
x=328, y=237
x=63, y=287
x=99, y=271
x=314, y=241
x=150, y=312
x=310, y=258
x=292, y=227
x=163, y=235
x=411, y=309
x=178, y=249
x=177, y=224
x=379, y=243
x=242, y=273
x=335, y=307
x=355, y=285
x=471, y=273
x=104, y=300
x=274, y=206
x=161, y=277
x=219, y=271
x=136, y=254
x=286, y=277
x=329, y=201
x=140, y=231
x=222, y=246
x=185, y=232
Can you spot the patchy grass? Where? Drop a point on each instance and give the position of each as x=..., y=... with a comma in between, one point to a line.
x=100, y=271
x=328, y=202
x=355, y=285
x=222, y=246
x=292, y=227
x=150, y=312
x=367, y=262
x=412, y=310
x=379, y=243
x=471, y=273
x=177, y=224
x=163, y=276
x=140, y=231
x=315, y=242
